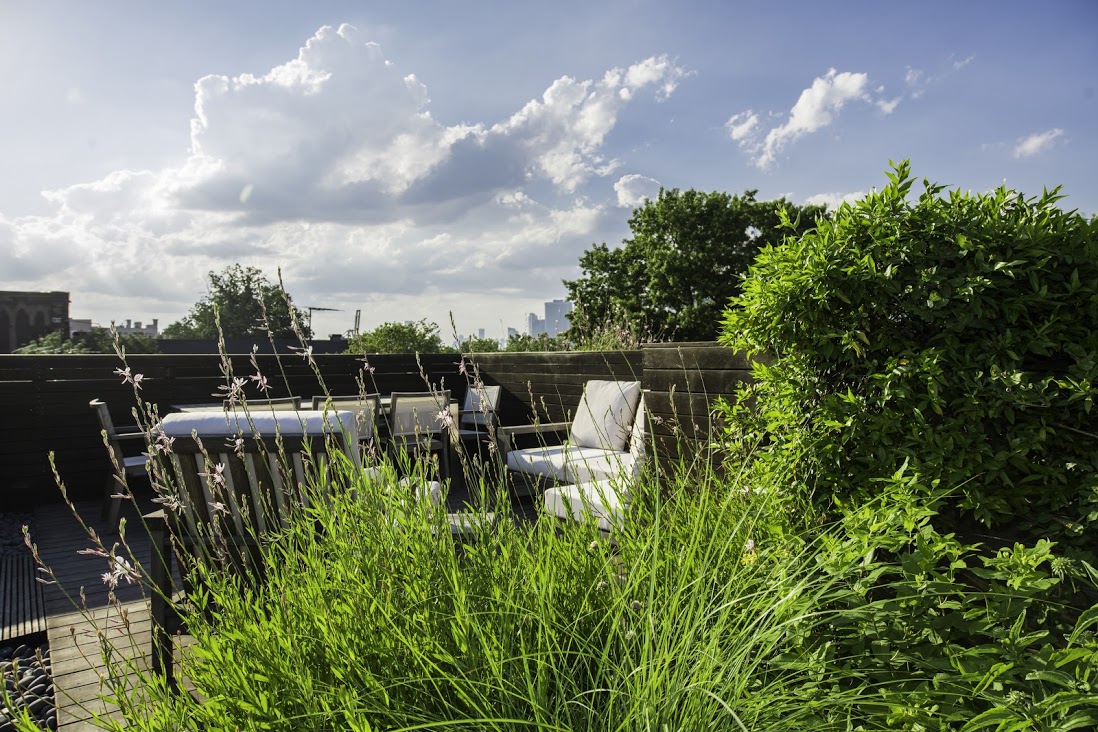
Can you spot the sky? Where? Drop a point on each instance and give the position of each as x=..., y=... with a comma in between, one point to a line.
x=422, y=160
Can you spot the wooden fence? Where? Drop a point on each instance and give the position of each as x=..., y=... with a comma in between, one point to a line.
x=47, y=396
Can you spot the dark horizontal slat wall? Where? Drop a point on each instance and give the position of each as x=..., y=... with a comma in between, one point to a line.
x=46, y=397
x=684, y=380
x=46, y=400
x=549, y=385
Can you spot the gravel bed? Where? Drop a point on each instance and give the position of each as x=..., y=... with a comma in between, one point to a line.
x=26, y=672
x=24, y=663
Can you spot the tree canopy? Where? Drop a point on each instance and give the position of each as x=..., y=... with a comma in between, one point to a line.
x=673, y=278
x=98, y=340
x=248, y=306
x=523, y=342
x=421, y=337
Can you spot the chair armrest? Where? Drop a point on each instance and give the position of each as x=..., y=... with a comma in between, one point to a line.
x=529, y=429
x=128, y=435
x=505, y=433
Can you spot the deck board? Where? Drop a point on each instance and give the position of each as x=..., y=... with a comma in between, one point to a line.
x=76, y=624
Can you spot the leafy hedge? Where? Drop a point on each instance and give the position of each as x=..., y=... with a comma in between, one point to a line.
x=954, y=333
x=933, y=365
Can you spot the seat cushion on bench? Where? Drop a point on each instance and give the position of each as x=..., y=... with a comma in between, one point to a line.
x=570, y=464
x=601, y=501
x=233, y=422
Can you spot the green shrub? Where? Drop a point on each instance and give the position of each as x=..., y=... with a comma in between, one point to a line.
x=955, y=333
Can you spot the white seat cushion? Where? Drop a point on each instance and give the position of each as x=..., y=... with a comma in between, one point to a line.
x=602, y=501
x=605, y=414
x=570, y=464
x=230, y=423
x=545, y=461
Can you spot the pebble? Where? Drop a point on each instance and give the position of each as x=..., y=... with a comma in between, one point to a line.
x=24, y=666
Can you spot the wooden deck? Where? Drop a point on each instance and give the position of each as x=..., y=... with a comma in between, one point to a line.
x=74, y=622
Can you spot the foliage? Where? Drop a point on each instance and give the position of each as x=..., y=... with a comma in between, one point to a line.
x=524, y=342
x=97, y=340
x=957, y=334
x=246, y=305
x=672, y=279
x=723, y=603
x=472, y=344
x=953, y=636
x=420, y=337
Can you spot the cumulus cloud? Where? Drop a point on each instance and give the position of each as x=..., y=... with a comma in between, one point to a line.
x=634, y=189
x=834, y=200
x=816, y=108
x=333, y=167
x=1036, y=143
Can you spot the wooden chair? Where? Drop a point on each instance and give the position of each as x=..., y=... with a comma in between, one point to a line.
x=600, y=438
x=238, y=477
x=477, y=419
x=129, y=465
x=417, y=424
x=365, y=407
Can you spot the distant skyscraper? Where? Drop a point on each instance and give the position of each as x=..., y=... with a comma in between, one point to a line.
x=556, y=316
x=534, y=325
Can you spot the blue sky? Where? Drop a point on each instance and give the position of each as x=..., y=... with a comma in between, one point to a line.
x=414, y=159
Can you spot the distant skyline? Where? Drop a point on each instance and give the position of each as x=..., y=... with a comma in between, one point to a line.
x=419, y=158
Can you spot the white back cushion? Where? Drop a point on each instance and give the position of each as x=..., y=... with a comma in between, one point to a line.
x=605, y=415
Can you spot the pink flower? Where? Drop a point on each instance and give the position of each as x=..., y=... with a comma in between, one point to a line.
x=446, y=417
x=217, y=475
x=118, y=569
x=261, y=382
x=128, y=378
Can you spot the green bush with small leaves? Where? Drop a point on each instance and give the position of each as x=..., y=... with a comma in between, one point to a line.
x=953, y=332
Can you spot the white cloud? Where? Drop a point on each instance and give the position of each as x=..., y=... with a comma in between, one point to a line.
x=332, y=167
x=742, y=126
x=834, y=200
x=634, y=189
x=918, y=80
x=563, y=131
x=816, y=108
x=1036, y=143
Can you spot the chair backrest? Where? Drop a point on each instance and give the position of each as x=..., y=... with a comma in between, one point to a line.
x=281, y=404
x=417, y=413
x=366, y=408
x=605, y=415
x=242, y=474
x=104, y=416
x=480, y=407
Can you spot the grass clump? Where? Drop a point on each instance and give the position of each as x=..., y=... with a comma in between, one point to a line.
x=369, y=617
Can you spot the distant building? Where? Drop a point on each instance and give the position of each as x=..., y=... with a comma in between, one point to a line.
x=556, y=316
x=81, y=325
x=25, y=316
x=534, y=325
x=555, y=321
x=151, y=330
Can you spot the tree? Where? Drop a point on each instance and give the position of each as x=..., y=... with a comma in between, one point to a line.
x=247, y=304
x=98, y=340
x=472, y=344
x=674, y=277
x=521, y=342
x=421, y=337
